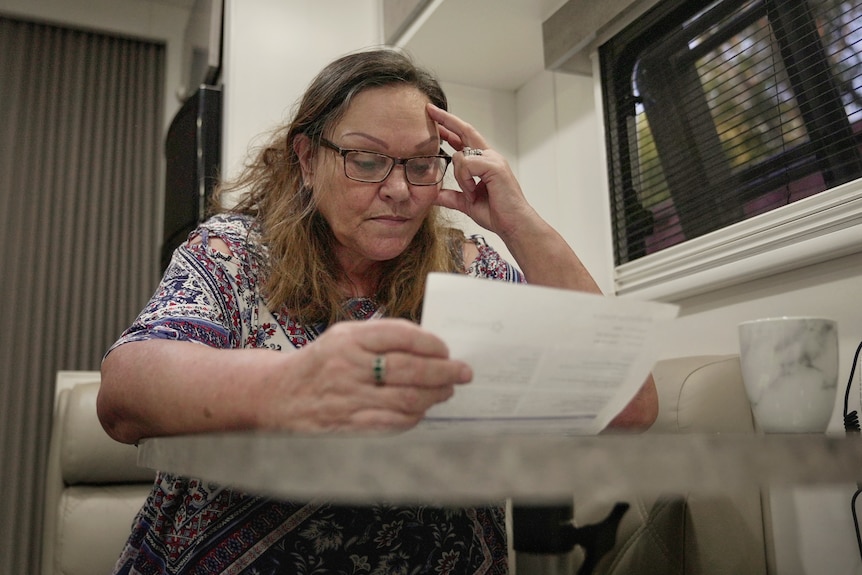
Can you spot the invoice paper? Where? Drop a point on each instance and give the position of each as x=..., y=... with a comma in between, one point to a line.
x=543, y=358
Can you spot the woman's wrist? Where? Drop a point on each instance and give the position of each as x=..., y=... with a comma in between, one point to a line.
x=547, y=259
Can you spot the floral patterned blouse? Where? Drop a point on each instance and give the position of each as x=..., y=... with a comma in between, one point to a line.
x=191, y=526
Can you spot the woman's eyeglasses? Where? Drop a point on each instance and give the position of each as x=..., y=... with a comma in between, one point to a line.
x=372, y=167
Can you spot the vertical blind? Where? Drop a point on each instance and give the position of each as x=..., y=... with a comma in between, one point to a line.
x=718, y=112
x=80, y=155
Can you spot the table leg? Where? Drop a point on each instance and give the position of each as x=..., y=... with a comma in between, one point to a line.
x=544, y=536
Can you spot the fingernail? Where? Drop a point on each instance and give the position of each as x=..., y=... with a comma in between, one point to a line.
x=466, y=374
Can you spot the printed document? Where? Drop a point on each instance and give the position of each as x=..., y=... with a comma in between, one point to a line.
x=543, y=359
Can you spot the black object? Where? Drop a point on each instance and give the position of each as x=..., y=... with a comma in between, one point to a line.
x=851, y=427
x=193, y=159
x=549, y=529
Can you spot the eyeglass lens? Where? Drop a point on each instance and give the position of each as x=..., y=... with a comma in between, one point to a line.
x=371, y=167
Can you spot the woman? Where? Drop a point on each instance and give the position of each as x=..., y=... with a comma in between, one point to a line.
x=338, y=222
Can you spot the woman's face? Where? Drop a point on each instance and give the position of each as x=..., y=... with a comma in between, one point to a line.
x=376, y=222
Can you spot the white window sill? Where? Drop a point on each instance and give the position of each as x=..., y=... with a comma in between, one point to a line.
x=809, y=231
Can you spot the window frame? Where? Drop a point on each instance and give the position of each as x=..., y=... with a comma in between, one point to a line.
x=809, y=231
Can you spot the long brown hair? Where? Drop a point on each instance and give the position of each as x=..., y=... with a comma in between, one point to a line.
x=304, y=274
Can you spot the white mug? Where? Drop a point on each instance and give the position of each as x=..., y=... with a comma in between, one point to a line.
x=790, y=371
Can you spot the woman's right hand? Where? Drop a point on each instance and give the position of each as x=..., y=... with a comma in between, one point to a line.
x=162, y=387
x=332, y=384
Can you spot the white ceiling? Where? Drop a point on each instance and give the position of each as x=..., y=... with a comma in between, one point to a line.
x=484, y=43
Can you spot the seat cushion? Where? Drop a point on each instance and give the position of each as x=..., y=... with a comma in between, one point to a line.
x=87, y=453
x=690, y=534
x=701, y=394
x=93, y=525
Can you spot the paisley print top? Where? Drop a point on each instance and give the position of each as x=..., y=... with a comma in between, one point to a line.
x=191, y=526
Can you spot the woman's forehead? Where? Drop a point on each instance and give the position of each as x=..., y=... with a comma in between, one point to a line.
x=387, y=97
x=387, y=112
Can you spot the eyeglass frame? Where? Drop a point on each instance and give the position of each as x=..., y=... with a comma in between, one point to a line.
x=395, y=162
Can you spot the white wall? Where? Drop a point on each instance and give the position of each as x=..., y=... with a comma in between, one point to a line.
x=561, y=159
x=273, y=50
x=493, y=113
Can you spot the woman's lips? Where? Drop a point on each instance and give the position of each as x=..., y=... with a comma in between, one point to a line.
x=391, y=220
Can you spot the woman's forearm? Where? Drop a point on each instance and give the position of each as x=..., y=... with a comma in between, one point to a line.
x=546, y=259
x=159, y=387
x=641, y=412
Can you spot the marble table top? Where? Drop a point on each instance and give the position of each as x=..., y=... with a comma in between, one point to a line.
x=445, y=468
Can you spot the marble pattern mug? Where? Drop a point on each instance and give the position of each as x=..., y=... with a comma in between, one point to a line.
x=790, y=371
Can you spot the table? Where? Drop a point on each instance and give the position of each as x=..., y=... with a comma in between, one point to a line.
x=540, y=469
x=450, y=469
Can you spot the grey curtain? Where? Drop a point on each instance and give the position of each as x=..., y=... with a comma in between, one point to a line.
x=80, y=168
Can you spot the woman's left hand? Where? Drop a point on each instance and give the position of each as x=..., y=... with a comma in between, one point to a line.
x=490, y=196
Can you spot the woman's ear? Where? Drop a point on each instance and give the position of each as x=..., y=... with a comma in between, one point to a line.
x=302, y=146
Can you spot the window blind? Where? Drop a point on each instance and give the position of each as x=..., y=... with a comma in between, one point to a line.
x=719, y=112
x=81, y=128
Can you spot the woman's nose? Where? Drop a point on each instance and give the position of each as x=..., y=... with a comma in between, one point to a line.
x=396, y=186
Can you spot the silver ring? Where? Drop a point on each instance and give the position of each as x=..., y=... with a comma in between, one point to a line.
x=379, y=369
x=468, y=151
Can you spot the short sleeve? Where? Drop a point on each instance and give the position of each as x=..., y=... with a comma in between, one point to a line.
x=204, y=295
x=491, y=265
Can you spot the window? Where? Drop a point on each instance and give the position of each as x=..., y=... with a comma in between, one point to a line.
x=719, y=112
